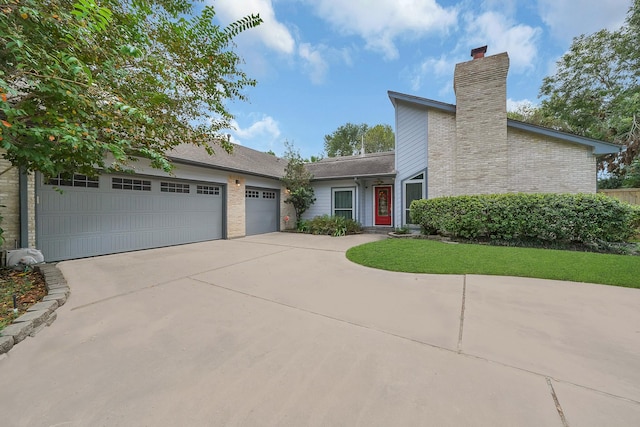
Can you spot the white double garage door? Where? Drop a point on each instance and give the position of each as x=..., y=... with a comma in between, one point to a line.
x=113, y=213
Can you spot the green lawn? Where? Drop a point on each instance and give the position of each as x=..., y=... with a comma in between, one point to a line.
x=429, y=256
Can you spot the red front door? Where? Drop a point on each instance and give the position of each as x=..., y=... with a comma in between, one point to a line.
x=383, y=205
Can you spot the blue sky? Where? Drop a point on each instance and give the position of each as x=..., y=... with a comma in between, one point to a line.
x=322, y=63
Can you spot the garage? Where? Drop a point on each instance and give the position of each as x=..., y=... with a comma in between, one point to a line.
x=261, y=210
x=112, y=213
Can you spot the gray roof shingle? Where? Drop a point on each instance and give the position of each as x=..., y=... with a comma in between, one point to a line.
x=374, y=164
x=242, y=160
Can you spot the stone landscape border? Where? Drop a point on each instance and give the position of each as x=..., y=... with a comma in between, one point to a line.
x=40, y=314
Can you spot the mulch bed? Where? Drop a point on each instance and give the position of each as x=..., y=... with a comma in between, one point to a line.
x=29, y=288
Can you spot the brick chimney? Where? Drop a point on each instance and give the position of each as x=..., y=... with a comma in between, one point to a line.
x=480, y=86
x=478, y=52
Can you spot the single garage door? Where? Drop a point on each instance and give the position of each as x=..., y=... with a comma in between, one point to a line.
x=261, y=207
x=109, y=214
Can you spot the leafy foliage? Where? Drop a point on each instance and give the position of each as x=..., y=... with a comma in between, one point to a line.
x=87, y=85
x=330, y=226
x=584, y=218
x=610, y=182
x=297, y=180
x=632, y=175
x=348, y=139
x=596, y=92
x=537, y=116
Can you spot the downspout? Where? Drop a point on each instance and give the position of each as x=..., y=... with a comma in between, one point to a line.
x=23, y=183
x=358, y=184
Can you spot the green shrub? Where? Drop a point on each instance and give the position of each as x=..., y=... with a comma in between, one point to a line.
x=583, y=218
x=331, y=226
x=303, y=226
x=402, y=230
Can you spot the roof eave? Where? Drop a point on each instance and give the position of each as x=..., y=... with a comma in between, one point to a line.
x=374, y=175
x=223, y=168
x=599, y=147
x=430, y=103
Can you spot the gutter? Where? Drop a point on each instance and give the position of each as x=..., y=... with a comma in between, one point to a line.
x=328, y=178
x=223, y=168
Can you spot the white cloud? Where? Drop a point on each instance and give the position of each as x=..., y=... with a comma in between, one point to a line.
x=515, y=105
x=314, y=62
x=497, y=31
x=571, y=18
x=380, y=23
x=431, y=69
x=265, y=129
x=271, y=33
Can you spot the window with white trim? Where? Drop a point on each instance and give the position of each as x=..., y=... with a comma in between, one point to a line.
x=251, y=194
x=268, y=194
x=343, y=202
x=414, y=189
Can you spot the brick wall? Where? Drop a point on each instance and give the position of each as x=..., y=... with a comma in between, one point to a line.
x=235, y=207
x=286, y=209
x=10, y=204
x=541, y=165
x=442, y=142
x=481, y=125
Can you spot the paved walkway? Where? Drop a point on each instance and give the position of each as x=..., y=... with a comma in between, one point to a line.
x=282, y=330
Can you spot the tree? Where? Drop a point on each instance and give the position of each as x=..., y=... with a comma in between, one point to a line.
x=88, y=86
x=595, y=91
x=348, y=139
x=379, y=138
x=535, y=115
x=314, y=159
x=344, y=141
x=632, y=175
x=297, y=180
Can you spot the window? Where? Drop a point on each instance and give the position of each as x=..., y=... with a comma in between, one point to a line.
x=343, y=202
x=130, y=184
x=251, y=194
x=268, y=194
x=174, y=187
x=74, y=180
x=207, y=189
x=413, y=190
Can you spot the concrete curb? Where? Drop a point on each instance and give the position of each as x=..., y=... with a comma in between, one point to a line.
x=40, y=314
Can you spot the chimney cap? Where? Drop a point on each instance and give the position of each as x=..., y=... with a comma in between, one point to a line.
x=478, y=52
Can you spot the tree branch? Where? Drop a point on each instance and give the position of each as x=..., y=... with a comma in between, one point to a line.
x=56, y=78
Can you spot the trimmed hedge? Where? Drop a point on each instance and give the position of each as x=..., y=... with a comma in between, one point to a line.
x=330, y=225
x=544, y=218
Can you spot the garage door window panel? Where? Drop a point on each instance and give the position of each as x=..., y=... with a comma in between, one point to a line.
x=209, y=190
x=75, y=180
x=174, y=187
x=130, y=184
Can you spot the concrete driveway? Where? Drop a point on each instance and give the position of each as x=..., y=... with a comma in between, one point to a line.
x=281, y=329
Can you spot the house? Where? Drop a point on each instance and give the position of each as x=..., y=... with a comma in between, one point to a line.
x=441, y=150
x=449, y=150
x=208, y=197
